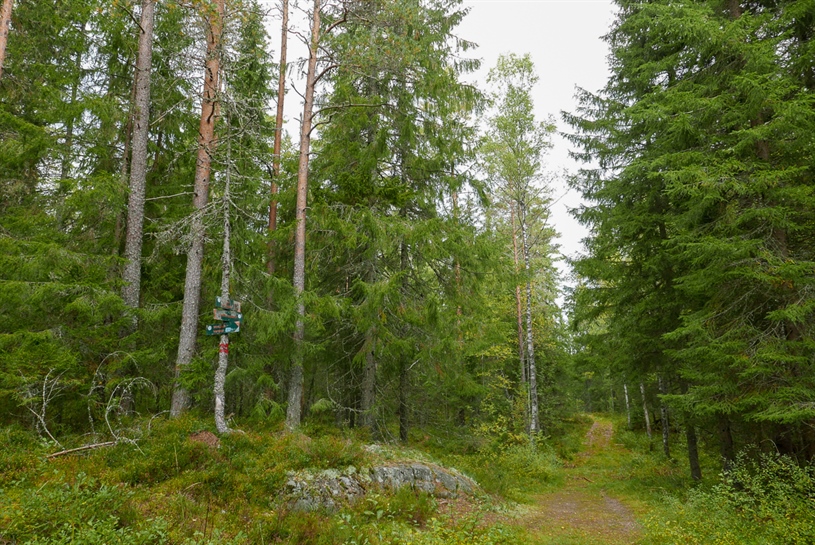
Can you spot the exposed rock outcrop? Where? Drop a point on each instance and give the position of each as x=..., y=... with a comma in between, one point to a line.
x=328, y=489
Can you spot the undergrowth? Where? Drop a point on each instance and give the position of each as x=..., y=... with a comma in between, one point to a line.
x=171, y=490
x=770, y=500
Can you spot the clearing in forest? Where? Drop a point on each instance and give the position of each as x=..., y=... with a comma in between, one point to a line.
x=582, y=511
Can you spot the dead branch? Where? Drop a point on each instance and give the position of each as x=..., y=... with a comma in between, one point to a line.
x=79, y=449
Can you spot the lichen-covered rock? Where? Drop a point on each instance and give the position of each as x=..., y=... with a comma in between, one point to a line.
x=328, y=489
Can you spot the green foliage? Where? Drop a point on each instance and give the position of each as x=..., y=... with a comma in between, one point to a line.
x=767, y=500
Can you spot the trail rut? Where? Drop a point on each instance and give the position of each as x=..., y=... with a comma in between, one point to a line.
x=581, y=511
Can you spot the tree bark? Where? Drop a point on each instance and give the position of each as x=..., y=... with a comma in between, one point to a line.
x=534, y=426
x=223, y=347
x=5, y=23
x=627, y=405
x=278, y=134
x=693, y=452
x=369, y=380
x=404, y=418
x=728, y=451
x=519, y=311
x=663, y=409
x=645, y=411
x=294, y=409
x=195, y=255
x=131, y=276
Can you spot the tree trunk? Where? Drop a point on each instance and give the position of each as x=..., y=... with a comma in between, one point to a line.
x=519, y=311
x=138, y=164
x=369, y=380
x=534, y=426
x=728, y=451
x=278, y=134
x=65, y=168
x=5, y=23
x=663, y=410
x=627, y=405
x=223, y=348
x=645, y=411
x=404, y=421
x=293, y=411
x=195, y=255
x=693, y=452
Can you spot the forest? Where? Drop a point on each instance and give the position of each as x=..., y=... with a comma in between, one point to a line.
x=206, y=303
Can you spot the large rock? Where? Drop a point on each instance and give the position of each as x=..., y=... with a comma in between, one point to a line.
x=328, y=489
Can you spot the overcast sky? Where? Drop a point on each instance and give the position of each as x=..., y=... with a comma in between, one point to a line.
x=564, y=39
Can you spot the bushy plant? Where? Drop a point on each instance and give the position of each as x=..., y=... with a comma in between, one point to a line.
x=759, y=501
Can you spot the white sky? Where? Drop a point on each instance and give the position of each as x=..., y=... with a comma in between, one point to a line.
x=563, y=38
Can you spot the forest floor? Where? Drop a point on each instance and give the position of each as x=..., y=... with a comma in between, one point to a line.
x=587, y=509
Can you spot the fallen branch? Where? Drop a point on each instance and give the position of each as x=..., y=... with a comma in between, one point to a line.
x=78, y=449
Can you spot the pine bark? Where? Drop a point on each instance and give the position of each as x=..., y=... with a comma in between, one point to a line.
x=131, y=276
x=195, y=256
x=278, y=136
x=294, y=409
x=693, y=452
x=5, y=23
x=369, y=380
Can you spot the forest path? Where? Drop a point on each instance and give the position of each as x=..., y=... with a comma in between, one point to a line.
x=582, y=511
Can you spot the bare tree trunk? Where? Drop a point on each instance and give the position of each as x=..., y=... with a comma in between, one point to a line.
x=278, y=133
x=519, y=312
x=627, y=405
x=645, y=410
x=195, y=255
x=663, y=410
x=131, y=276
x=65, y=169
x=5, y=22
x=223, y=348
x=294, y=410
x=534, y=426
x=693, y=452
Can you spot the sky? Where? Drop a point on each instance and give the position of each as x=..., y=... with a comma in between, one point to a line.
x=564, y=39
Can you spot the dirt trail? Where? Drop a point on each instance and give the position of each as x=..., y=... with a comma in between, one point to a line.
x=581, y=512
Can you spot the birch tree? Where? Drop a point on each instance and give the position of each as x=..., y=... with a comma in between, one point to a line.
x=513, y=152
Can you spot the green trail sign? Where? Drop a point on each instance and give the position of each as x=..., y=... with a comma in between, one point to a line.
x=229, y=314
x=224, y=315
x=228, y=304
x=224, y=328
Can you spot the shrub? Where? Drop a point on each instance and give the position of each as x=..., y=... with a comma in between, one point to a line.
x=768, y=500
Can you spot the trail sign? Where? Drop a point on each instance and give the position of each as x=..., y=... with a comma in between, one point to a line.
x=228, y=304
x=216, y=329
x=224, y=328
x=229, y=313
x=224, y=315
